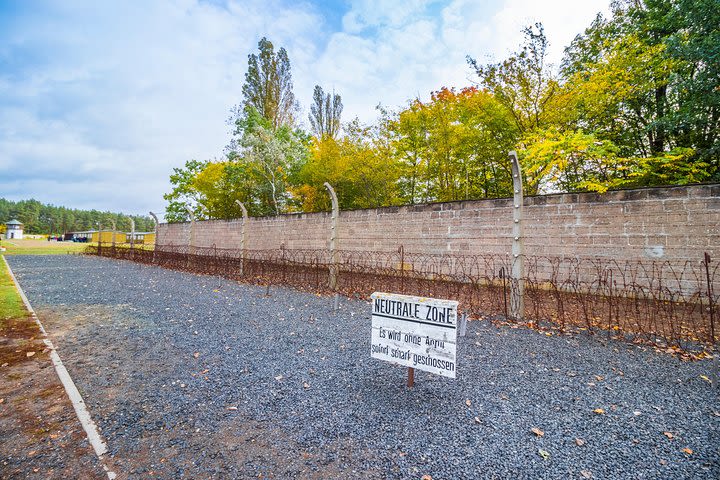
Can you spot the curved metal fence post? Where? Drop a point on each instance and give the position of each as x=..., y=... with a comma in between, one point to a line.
x=242, y=235
x=113, y=235
x=100, y=238
x=155, y=218
x=332, y=283
x=132, y=233
x=517, y=292
x=191, y=242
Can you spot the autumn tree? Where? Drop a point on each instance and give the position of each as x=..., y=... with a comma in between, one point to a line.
x=453, y=147
x=526, y=85
x=358, y=166
x=325, y=113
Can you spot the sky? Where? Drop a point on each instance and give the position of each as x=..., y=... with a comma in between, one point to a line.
x=99, y=101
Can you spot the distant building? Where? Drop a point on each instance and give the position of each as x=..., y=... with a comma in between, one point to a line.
x=14, y=230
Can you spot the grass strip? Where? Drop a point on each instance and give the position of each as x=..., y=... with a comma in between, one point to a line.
x=11, y=305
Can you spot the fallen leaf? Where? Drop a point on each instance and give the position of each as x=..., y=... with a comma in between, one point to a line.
x=599, y=378
x=669, y=435
x=468, y=402
x=537, y=431
x=306, y=385
x=579, y=442
x=687, y=450
x=585, y=474
x=544, y=454
x=477, y=419
x=30, y=354
x=426, y=477
x=599, y=411
x=231, y=408
x=196, y=354
x=705, y=378
x=663, y=462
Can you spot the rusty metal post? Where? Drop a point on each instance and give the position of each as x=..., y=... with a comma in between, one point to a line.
x=333, y=238
x=411, y=377
x=517, y=293
x=155, y=218
x=242, y=235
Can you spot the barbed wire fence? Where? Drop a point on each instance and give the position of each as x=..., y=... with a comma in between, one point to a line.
x=667, y=303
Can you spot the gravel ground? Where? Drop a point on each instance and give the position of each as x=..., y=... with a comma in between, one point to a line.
x=200, y=377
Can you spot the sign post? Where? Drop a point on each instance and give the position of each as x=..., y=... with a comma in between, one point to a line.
x=416, y=332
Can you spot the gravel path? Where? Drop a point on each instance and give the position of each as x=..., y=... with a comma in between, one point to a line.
x=197, y=377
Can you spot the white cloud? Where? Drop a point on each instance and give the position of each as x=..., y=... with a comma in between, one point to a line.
x=116, y=94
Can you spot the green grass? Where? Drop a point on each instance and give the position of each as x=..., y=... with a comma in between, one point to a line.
x=11, y=305
x=41, y=247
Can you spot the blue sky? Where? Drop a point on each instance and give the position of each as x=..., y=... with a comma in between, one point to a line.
x=100, y=100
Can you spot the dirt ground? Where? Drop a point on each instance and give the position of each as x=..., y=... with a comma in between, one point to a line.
x=40, y=435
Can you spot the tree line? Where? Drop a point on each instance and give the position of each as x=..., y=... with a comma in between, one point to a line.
x=634, y=103
x=43, y=219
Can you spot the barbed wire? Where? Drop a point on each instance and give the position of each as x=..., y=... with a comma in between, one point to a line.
x=663, y=302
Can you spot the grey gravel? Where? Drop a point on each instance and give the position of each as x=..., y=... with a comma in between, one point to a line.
x=297, y=375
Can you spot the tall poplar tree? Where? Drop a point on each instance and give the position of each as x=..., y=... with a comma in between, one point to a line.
x=268, y=85
x=325, y=114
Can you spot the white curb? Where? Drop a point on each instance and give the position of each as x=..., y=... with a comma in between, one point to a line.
x=78, y=403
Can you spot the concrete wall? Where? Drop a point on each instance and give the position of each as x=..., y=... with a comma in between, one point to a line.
x=674, y=223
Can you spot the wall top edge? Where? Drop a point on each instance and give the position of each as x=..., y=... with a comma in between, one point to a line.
x=709, y=190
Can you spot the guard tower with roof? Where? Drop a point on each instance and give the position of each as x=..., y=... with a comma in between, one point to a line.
x=14, y=230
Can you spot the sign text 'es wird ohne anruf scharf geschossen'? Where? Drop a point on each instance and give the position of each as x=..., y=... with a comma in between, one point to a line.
x=415, y=332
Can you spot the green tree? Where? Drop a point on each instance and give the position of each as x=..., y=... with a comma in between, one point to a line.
x=272, y=157
x=268, y=86
x=646, y=79
x=325, y=113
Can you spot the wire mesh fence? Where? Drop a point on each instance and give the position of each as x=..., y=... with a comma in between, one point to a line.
x=664, y=302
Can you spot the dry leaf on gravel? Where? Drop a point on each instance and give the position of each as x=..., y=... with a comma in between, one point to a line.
x=537, y=431
x=585, y=474
x=30, y=354
x=544, y=454
x=579, y=442
x=687, y=450
x=599, y=411
x=468, y=402
x=669, y=435
x=426, y=477
x=196, y=354
x=306, y=385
